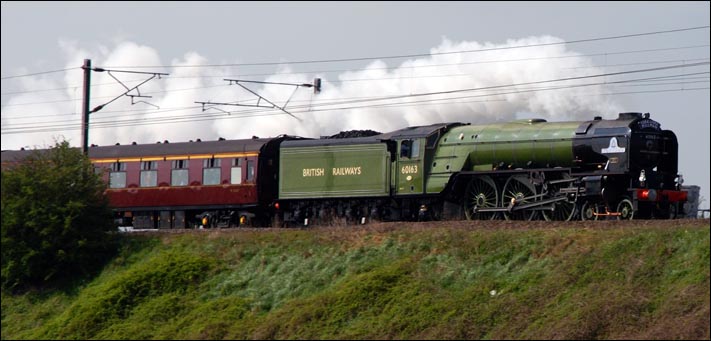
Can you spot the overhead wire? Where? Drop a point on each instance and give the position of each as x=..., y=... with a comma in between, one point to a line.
x=403, y=67
x=320, y=106
x=173, y=119
x=359, y=99
x=378, y=57
x=427, y=54
x=271, y=112
x=346, y=80
x=41, y=73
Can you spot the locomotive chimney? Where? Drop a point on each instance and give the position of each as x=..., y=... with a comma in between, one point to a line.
x=629, y=115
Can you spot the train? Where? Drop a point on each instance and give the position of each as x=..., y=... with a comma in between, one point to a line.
x=527, y=169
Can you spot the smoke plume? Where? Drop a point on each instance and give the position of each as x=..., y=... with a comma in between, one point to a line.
x=497, y=85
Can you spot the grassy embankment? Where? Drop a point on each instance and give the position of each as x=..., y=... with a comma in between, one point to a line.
x=441, y=283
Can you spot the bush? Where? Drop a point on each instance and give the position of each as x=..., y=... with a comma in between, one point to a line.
x=55, y=219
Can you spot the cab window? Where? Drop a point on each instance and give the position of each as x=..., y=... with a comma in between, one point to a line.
x=432, y=140
x=415, y=150
x=410, y=149
x=405, y=148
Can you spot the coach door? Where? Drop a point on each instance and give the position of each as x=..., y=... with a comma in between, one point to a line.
x=409, y=169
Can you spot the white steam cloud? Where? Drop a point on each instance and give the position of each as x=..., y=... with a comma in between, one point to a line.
x=384, y=96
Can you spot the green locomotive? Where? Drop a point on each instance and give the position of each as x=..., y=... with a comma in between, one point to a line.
x=525, y=169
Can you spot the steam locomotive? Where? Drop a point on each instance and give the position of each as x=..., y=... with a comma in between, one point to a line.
x=528, y=169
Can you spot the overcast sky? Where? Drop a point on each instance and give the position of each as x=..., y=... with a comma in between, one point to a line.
x=400, y=49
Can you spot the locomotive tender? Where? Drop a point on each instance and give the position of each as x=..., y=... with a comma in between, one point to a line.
x=526, y=169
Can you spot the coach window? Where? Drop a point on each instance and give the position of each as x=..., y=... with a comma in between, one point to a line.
x=117, y=177
x=179, y=173
x=149, y=173
x=236, y=174
x=250, y=170
x=211, y=171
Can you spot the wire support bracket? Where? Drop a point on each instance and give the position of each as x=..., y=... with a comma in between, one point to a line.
x=260, y=98
x=128, y=90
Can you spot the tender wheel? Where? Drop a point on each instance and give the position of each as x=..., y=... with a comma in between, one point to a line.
x=625, y=209
x=518, y=187
x=480, y=193
x=588, y=211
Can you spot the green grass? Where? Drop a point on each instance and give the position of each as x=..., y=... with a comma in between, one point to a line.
x=442, y=283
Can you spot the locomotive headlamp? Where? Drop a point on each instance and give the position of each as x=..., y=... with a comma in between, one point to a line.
x=679, y=179
x=642, y=176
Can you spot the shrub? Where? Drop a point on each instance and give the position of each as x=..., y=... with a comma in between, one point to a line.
x=55, y=219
